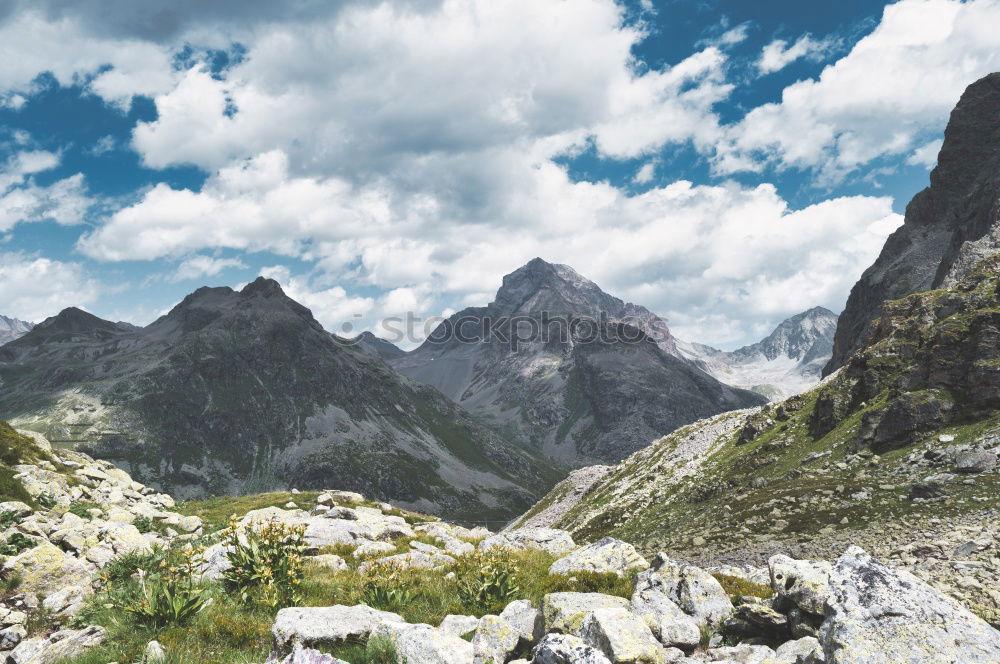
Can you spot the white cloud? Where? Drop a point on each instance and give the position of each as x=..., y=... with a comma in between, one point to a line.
x=32, y=288
x=200, y=266
x=891, y=92
x=779, y=54
x=926, y=155
x=64, y=201
x=646, y=173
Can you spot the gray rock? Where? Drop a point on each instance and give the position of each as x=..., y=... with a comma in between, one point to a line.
x=495, y=641
x=565, y=612
x=154, y=653
x=459, y=625
x=875, y=613
x=607, y=555
x=566, y=649
x=11, y=635
x=743, y=654
x=800, y=651
x=801, y=583
x=423, y=644
x=526, y=620
x=668, y=622
x=975, y=461
x=700, y=595
x=550, y=540
x=307, y=626
x=330, y=561
x=306, y=656
x=752, y=620
x=65, y=644
x=622, y=636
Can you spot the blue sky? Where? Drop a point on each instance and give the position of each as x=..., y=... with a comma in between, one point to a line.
x=724, y=163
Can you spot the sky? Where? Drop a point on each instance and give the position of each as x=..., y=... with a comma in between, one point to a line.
x=724, y=163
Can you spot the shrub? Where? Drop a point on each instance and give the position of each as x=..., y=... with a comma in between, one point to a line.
x=386, y=587
x=487, y=580
x=82, y=510
x=144, y=524
x=169, y=595
x=45, y=501
x=124, y=566
x=15, y=544
x=8, y=519
x=266, y=563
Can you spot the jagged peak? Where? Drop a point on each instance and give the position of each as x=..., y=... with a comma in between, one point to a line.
x=263, y=287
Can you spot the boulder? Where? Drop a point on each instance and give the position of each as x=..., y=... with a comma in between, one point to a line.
x=622, y=636
x=64, y=644
x=459, y=625
x=526, y=621
x=975, y=461
x=801, y=583
x=413, y=560
x=800, y=651
x=46, y=569
x=566, y=649
x=757, y=620
x=700, y=595
x=495, y=641
x=550, y=540
x=423, y=644
x=875, y=613
x=565, y=612
x=306, y=656
x=666, y=620
x=325, y=625
x=154, y=653
x=608, y=555
x=743, y=654
x=330, y=561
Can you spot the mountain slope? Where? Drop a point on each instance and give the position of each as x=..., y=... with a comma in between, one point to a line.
x=788, y=361
x=903, y=441
x=377, y=347
x=12, y=328
x=948, y=226
x=233, y=392
x=562, y=367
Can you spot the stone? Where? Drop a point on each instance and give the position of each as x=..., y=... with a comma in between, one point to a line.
x=744, y=653
x=666, y=620
x=11, y=635
x=565, y=612
x=622, y=636
x=459, y=625
x=369, y=548
x=307, y=626
x=975, y=461
x=214, y=561
x=67, y=601
x=154, y=653
x=45, y=569
x=413, y=560
x=607, y=555
x=495, y=641
x=753, y=620
x=550, y=540
x=800, y=651
x=423, y=644
x=801, y=583
x=526, y=621
x=874, y=613
x=566, y=649
x=19, y=509
x=64, y=644
x=700, y=595
x=306, y=656
x=330, y=561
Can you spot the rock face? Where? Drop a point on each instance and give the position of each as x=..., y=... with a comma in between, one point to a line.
x=581, y=393
x=949, y=226
x=788, y=361
x=876, y=615
x=312, y=626
x=62, y=645
x=235, y=392
x=607, y=556
x=12, y=328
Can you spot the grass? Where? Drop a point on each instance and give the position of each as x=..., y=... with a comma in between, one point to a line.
x=215, y=512
x=737, y=587
x=15, y=449
x=230, y=632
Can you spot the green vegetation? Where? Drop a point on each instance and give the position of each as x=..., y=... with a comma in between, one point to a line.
x=16, y=449
x=16, y=543
x=266, y=563
x=82, y=509
x=215, y=511
x=167, y=594
x=737, y=587
x=487, y=580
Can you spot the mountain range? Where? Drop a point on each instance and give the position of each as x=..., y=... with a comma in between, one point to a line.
x=12, y=328
x=561, y=367
x=788, y=361
x=240, y=391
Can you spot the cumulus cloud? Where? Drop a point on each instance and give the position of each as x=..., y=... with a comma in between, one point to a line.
x=22, y=200
x=199, y=266
x=778, y=54
x=896, y=86
x=32, y=287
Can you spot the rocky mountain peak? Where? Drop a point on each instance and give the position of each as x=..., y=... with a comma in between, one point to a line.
x=263, y=287
x=802, y=337
x=948, y=227
x=559, y=289
x=13, y=328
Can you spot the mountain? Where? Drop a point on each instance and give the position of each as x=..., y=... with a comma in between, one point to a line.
x=948, y=226
x=561, y=367
x=896, y=450
x=12, y=328
x=377, y=347
x=232, y=392
x=788, y=361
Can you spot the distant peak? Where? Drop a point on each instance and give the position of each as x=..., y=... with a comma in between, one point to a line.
x=262, y=286
x=74, y=319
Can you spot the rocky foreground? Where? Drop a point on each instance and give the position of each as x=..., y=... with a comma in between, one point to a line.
x=852, y=610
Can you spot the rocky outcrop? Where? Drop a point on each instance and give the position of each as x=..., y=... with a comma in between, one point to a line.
x=949, y=226
x=238, y=392
x=566, y=369
x=876, y=613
